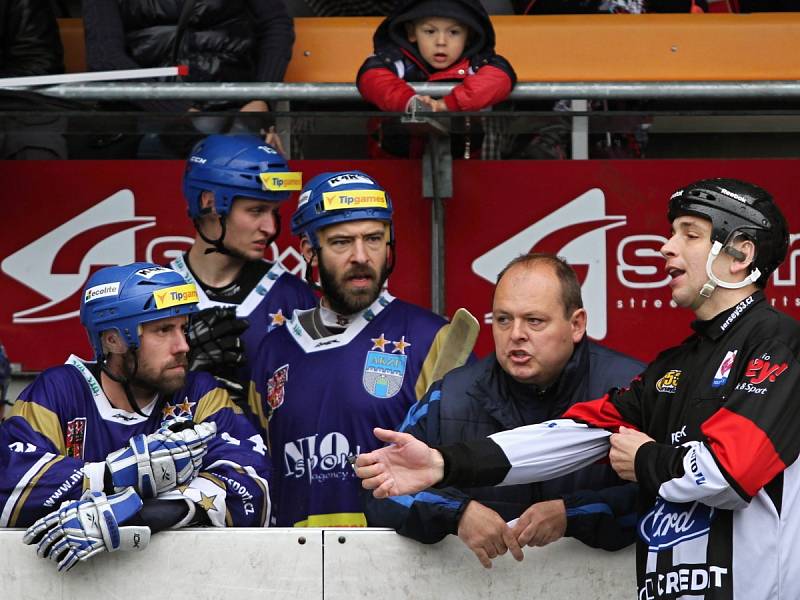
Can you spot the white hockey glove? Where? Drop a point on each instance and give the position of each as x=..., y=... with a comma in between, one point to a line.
x=159, y=462
x=80, y=529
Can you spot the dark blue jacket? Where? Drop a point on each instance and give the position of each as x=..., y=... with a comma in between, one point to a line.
x=480, y=399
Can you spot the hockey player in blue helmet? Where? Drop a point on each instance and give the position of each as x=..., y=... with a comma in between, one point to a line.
x=359, y=358
x=119, y=443
x=234, y=186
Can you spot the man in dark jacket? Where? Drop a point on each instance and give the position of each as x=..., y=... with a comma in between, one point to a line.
x=543, y=363
x=29, y=40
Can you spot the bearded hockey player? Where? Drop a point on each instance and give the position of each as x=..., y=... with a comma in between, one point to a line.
x=709, y=430
x=234, y=186
x=97, y=456
x=359, y=359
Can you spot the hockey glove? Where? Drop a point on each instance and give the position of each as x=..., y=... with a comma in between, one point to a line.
x=214, y=337
x=161, y=461
x=80, y=529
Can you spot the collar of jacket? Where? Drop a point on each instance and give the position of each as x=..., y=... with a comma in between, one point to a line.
x=726, y=320
x=457, y=71
x=500, y=394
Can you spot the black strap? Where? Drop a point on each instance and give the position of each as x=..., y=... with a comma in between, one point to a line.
x=180, y=29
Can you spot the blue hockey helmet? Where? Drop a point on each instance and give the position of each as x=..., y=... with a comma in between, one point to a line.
x=331, y=198
x=122, y=297
x=233, y=166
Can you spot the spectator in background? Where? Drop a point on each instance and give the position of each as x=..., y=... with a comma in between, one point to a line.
x=29, y=45
x=562, y=7
x=436, y=41
x=29, y=39
x=220, y=40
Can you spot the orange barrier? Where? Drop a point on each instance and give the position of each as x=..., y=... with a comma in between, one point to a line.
x=712, y=47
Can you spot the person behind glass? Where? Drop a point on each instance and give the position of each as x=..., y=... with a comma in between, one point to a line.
x=230, y=40
x=436, y=41
x=543, y=362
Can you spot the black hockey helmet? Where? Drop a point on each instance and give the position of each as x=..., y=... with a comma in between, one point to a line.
x=737, y=207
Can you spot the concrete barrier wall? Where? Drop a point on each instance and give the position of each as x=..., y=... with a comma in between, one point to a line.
x=270, y=564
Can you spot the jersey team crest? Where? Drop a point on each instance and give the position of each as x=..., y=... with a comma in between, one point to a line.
x=76, y=434
x=276, y=385
x=384, y=373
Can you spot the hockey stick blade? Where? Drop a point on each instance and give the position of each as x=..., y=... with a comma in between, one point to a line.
x=458, y=343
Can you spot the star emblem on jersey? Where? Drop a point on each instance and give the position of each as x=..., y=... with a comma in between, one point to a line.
x=401, y=345
x=207, y=502
x=277, y=318
x=186, y=407
x=384, y=371
x=379, y=343
x=168, y=412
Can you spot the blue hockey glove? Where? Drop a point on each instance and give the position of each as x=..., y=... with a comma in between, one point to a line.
x=161, y=461
x=80, y=529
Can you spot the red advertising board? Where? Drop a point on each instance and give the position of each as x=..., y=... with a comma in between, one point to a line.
x=608, y=219
x=62, y=220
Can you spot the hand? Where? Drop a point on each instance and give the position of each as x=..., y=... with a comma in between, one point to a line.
x=541, y=524
x=214, y=337
x=438, y=106
x=159, y=462
x=486, y=534
x=255, y=106
x=80, y=529
x=624, y=446
x=405, y=467
x=272, y=138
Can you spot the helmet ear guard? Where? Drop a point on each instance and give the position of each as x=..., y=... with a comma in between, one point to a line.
x=735, y=207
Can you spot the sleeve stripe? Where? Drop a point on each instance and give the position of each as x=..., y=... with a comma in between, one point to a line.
x=426, y=498
x=590, y=509
x=416, y=412
x=42, y=420
x=743, y=450
x=24, y=487
x=256, y=405
x=598, y=413
x=213, y=402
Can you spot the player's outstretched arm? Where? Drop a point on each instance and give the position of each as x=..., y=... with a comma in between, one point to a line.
x=406, y=466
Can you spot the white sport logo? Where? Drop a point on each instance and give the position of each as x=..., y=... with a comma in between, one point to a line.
x=101, y=291
x=587, y=247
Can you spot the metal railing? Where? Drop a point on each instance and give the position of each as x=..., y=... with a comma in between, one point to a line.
x=609, y=90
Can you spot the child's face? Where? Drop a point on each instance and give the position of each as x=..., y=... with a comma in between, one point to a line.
x=440, y=40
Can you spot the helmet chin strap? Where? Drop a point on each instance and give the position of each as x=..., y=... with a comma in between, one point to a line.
x=217, y=244
x=714, y=281
x=125, y=382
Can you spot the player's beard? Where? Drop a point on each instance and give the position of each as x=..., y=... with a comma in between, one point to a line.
x=348, y=302
x=149, y=380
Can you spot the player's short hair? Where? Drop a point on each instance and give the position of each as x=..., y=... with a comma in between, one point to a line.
x=570, y=286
